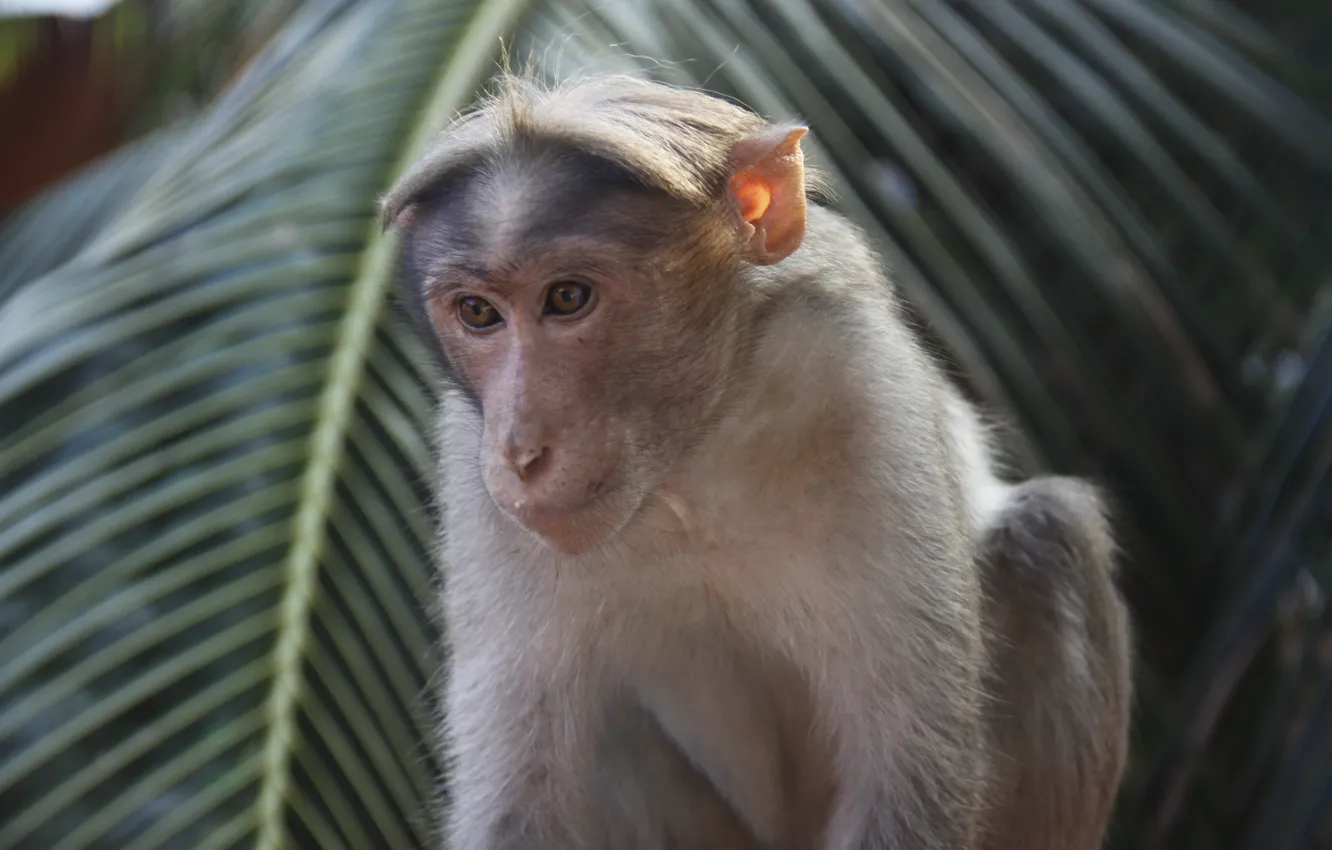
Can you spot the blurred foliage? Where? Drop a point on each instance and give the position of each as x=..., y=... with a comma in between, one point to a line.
x=178, y=53
x=81, y=86
x=1111, y=217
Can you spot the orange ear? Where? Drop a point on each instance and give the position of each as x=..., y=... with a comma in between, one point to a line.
x=404, y=220
x=769, y=188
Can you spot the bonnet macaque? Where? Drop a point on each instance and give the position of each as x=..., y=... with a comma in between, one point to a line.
x=725, y=561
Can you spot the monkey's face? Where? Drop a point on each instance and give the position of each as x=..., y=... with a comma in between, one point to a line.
x=576, y=312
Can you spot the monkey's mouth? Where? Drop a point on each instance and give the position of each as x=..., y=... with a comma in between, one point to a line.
x=545, y=516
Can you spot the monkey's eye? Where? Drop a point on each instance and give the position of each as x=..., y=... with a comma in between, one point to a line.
x=478, y=313
x=567, y=298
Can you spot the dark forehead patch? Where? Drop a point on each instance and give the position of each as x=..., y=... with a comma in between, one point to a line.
x=577, y=193
x=534, y=200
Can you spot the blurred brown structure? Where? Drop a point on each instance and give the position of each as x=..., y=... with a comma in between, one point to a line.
x=64, y=106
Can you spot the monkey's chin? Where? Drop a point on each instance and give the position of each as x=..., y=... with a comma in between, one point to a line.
x=572, y=530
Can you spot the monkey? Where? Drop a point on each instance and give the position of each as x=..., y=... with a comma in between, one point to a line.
x=725, y=558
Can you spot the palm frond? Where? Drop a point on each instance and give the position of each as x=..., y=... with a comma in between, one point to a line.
x=213, y=466
x=53, y=228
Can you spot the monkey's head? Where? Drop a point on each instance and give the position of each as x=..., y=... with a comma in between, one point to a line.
x=582, y=259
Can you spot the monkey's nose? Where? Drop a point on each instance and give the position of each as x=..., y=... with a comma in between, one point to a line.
x=525, y=460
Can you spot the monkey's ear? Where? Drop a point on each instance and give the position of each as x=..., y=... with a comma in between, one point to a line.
x=768, y=183
x=400, y=217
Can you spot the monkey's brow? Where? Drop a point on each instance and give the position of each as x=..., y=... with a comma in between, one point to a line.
x=445, y=276
x=442, y=278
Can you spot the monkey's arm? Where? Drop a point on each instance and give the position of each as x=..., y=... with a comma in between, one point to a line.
x=912, y=754
x=501, y=756
x=553, y=766
x=1059, y=667
x=917, y=782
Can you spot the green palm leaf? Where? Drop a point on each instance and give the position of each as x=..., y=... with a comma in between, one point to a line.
x=215, y=541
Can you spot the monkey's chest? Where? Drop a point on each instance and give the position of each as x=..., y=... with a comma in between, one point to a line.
x=715, y=736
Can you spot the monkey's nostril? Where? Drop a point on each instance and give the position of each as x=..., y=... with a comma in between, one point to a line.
x=526, y=462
